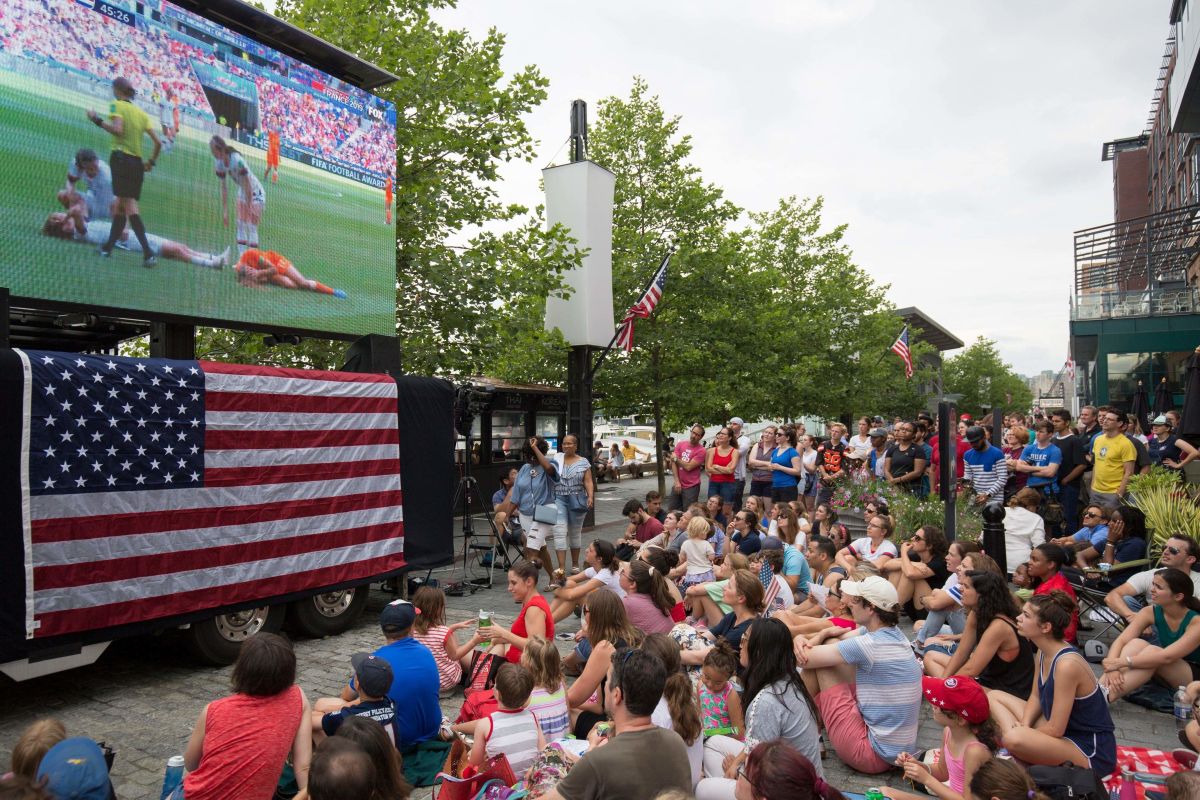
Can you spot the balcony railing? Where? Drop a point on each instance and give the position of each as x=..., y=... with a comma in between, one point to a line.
x=1144, y=303
x=1151, y=253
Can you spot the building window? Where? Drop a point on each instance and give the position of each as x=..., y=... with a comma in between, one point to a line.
x=546, y=426
x=460, y=444
x=1126, y=369
x=508, y=435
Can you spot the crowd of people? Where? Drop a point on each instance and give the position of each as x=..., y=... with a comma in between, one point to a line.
x=727, y=647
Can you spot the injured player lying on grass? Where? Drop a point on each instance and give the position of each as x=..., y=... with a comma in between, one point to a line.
x=72, y=226
x=257, y=268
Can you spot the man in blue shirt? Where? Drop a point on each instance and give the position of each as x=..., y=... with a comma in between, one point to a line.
x=1091, y=538
x=984, y=467
x=415, y=682
x=1040, y=460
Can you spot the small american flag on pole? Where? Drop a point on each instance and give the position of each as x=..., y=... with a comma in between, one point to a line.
x=1070, y=368
x=900, y=348
x=644, y=307
x=153, y=487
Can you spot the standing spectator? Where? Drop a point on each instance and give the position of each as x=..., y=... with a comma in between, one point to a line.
x=1015, y=440
x=1113, y=460
x=1039, y=461
x=641, y=759
x=867, y=687
x=533, y=487
x=574, y=495
x=879, y=448
x=829, y=462
x=654, y=506
x=742, y=442
x=1023, y=528
x=785, y=466
x=759, y=461
x=415, y=685
x=1070, y=471
x=904, y=462
x=807, y=487
x=239, y=743
x=686, y=462
x=720, y=462
x=984, y=467
x=1132, y=431
x=128, y=124
x=1168, y=450
x=860, y=443
x=920, y=437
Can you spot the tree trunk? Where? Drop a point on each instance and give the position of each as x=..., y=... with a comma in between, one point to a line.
x=656, y=404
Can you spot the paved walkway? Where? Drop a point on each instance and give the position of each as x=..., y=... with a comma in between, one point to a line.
x=143, y=696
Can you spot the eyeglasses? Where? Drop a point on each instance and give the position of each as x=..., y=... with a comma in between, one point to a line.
x=741, y=772
x=918, y=539
x=1172, y=550
x=586, y=609
x=1090, y=514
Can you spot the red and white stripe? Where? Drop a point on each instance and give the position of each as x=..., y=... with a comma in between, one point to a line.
x=301, y=490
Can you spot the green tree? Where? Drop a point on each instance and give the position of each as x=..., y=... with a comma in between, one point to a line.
x=469, y=268
x=985, y=381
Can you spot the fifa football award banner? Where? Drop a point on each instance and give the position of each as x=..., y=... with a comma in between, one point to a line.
x=158, y=163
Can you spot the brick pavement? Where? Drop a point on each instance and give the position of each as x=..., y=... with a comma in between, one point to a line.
x=144, y=695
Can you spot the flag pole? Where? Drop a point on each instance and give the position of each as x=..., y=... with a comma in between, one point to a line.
x=616, y=333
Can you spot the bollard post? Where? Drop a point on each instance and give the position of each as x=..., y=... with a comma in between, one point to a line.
x=993, y=533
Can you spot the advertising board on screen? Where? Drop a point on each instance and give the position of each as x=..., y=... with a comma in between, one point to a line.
x=269, y=205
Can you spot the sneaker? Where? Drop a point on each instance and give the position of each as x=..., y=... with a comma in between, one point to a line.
x=564, y=636
x=1185, y=758
x=149, y=262
x=100, y=251
x=224, y=260
x=340, y=294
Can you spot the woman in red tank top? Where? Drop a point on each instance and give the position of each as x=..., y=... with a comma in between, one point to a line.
x=534, y=619
x=720, y=464
x=240, y=742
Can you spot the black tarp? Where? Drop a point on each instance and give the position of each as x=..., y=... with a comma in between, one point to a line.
x=427, y=469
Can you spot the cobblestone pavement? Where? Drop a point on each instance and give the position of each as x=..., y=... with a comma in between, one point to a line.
x=144, y=694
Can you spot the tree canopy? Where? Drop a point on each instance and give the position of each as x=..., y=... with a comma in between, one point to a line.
x=985, y=381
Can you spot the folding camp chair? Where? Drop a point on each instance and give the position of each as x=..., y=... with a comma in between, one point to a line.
x=1090, y=595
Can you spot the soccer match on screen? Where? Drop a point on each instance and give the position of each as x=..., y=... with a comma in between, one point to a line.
x=159, y=162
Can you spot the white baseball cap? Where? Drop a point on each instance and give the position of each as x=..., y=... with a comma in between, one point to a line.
x=877, y=591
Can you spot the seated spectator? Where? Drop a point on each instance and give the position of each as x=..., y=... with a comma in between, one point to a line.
x=776, y=771
x=1023, y=528
x=698, y=553
x=641, y=759
x=389, y=773
x=944, y=606
x=919, y=569
x=1183, y=785
x=1046, y=564
x=1126, y=543
x=548, y=700
x=1003, y=779
x=615, y=461
x=534, y=619
x=643, y=527
x=431, y=630
x=837, y=622
x=415, y=683
x=746, y=532
x=778, y=707
x=744, y=595
x=1091, y=537
x=341, y=770
x=777, y=593
x=1065, y=718
x=1175, y=660
x=990, y=651
x=239, y=743
x=647, y=599
x=875, y=547
x=720, y=704
x=1180, y=552
x=607, y=629
x=672, y=535
x=373, y=676
x=34, y=743
x=75, y=768
x=664, y=561
x=511, y=730
x=867, y=686
x=19, y=787
x=677, y=710
x=507, y=517
x=710, y=596
x=820, y=557
x=601, y=573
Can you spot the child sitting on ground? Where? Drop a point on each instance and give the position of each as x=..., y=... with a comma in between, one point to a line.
x=430, y=629
x=548, y=700
x=35, y=742
x=969, y=739
x=698, y=552
x=777, y=595
x=511, y=730
x=1023, y=582
x=373, y=680
x=720, y=705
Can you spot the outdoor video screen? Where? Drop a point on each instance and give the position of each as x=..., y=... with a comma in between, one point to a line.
x=269, y=203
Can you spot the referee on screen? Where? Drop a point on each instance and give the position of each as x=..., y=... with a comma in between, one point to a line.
x=128, y=124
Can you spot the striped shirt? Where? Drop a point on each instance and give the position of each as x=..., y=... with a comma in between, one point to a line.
x=449, y=670
x=551, y=711
x=888, y=689
x=514, y=734
x=986, y=470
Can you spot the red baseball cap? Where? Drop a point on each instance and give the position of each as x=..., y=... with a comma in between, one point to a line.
x=958, y=696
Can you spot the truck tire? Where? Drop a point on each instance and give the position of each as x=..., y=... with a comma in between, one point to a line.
x=328, y=613
x=218, y=641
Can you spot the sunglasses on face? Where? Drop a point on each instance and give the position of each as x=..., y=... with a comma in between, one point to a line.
x=1171, y=550
x=918, y=538
x=1091, y=514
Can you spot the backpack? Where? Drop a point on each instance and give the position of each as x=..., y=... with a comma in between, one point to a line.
x=1068, y=783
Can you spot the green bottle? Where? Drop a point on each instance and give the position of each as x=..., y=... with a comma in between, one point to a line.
x=874, y=794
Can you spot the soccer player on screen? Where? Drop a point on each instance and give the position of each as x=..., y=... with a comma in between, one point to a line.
x=257, y=268
x=228, y=162
x=272, y=157
x=72, y=225
x=387, y=198
x=168, y=117
x=97, y=200
x=127, y=124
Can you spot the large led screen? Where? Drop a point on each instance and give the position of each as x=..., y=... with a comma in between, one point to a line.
x=269, y=204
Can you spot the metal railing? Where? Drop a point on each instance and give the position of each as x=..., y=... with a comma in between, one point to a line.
x=1144, y=303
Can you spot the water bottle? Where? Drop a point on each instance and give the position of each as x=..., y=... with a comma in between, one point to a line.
x=1128, y=787
x=173, y=776
x=1183, y=709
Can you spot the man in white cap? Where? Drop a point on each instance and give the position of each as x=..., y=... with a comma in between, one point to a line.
x=867, y=687
x=742, y=442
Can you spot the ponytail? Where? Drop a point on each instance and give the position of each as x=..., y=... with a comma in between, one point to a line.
x=1178, y=582
x=678, y=691
x=1002, y=779
x=649, y=581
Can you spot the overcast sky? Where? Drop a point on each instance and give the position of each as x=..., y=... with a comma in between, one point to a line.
x=959, y=140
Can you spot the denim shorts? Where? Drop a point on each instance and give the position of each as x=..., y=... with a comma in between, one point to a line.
x=724, y=490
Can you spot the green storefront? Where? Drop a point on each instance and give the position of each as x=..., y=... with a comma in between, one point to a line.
x=1114, y=354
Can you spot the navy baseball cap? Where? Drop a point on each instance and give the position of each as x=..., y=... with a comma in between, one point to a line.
x=397, y=615
x=74, y=769
x=372, y=674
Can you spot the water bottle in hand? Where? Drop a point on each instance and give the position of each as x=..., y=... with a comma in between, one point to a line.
x=1183, y=709
x=173, y=776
